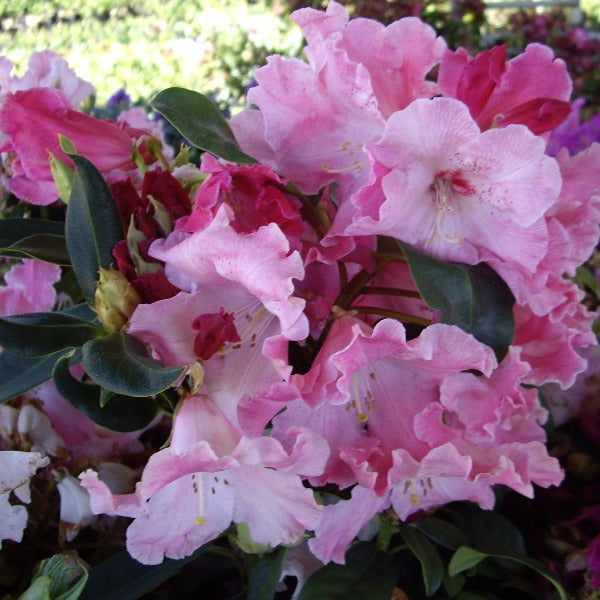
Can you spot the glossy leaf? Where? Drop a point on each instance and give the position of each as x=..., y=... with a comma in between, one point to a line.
x=13, y=230
x=123, y=578
x=41, y=246
x=198, y=119
x=431, y=563
x=19, y=374
x=368, y=573
x=473, y=297
x=487, y=530
x=120, y=363
x=442, y=532
x=92, y=225
x=119, y=413
x=466, y=558
x=41, y=334
x=264, y=575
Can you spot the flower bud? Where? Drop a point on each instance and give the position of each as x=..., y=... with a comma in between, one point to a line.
x=115, y=299
x=63, y=177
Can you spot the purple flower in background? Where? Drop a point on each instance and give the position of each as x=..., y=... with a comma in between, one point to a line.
x=573, y=134
x=120, y=99
x=593, y=560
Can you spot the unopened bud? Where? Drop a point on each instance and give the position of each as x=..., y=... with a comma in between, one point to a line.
x=63, y=177
x=115, y=299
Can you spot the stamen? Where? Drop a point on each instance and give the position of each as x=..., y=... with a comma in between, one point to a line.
x=442, y=186
x=252, y=323
x=355, y=166
x=199, y=489
x=362, y=416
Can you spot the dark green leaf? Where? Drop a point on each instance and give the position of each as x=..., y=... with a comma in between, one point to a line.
x=264, y=575
x=431, y=563
x=40, y=334
x=120, y=363
x=473, y=297
x=199, y=121
x=466, y=558
x=19, y=374
x=41, y=246
x=13, y=230
x=486, y=530
x=368, y=573
x=120, y=413
x=442, y=532
x=92, y=225
x=123, y=578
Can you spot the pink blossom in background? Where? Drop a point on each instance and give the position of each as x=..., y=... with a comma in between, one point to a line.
x=29, y=288
x=48, y=70
x=32, y=120
x=532, y=89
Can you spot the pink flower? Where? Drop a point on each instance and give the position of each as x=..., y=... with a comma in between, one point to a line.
x=457, y=193
x=32, y=120
x=252, y=193
x=238, y=314
x=315, y=118
x=29, y=288
x=532, y=89
x=216, y=477
x=48, y=70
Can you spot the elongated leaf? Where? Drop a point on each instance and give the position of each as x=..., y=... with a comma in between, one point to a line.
x=123, y=578
x=40, y=334
x=466, y=558
x=264, y=575
x=14, y=229
x=431, y=563
x=92, y=225
x=368, y=573
x=199, y=121
x=120, y=413
x=120, y=363
x=487, y=530
x=442, y=532
x=41, y=246
x=473, y=297
x=19, y=374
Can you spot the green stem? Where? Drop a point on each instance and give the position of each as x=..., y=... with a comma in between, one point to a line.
x=316, y=218
x=392, y=314
x=374, y=289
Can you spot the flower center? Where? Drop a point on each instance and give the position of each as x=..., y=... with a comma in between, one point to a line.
x=443, y=185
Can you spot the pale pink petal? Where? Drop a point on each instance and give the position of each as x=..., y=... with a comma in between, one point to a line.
x=341, y=523
x=275, y=505
x=176, y=522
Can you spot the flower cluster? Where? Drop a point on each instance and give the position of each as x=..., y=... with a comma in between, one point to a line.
x=354, y=296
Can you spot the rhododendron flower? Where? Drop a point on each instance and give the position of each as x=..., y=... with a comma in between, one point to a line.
x=29, y=288
x=532, y=89
x=315, y=118
x=232, y=281
x=455, y=192
x=212, y=477
x=45, y=69
x=32, y=121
